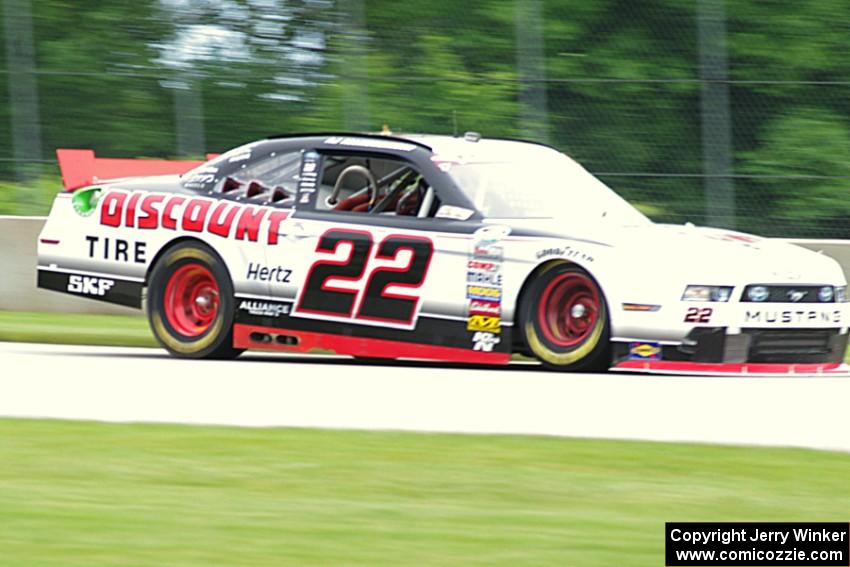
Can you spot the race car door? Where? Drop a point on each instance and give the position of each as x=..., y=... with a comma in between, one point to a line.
x=372, y=266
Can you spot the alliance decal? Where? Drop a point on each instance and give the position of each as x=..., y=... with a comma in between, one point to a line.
x=264, y=308
x=227, y=219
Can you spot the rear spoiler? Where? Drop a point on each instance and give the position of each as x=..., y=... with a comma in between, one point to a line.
x=81, y=168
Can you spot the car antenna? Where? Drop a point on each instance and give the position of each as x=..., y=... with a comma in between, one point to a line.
x=454, y=122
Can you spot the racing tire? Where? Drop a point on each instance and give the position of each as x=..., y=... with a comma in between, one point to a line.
x=190, y=303
x=564, y=320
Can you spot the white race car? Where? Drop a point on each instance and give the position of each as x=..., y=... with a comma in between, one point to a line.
x=431, y=247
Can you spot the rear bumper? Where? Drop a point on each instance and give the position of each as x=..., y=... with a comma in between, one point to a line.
x=712, y=350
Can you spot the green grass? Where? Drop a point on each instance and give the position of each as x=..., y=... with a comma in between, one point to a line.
x=77, y=329
x=85, y=494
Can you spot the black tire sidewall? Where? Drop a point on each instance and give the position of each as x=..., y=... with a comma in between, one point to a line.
x=592, y=354
x=215, y=342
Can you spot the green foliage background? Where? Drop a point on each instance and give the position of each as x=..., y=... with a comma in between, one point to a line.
x=622, y=89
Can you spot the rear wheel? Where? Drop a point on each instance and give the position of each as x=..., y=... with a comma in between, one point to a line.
x=190, y=303
x=564, y=320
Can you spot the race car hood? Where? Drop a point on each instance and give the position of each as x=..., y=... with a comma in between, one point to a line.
x=707, y=255
x=715, y=255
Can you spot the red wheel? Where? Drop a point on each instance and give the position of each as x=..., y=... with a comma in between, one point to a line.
x=191, y=300
x=190, y=303
x=564, y=319
x=568, y=309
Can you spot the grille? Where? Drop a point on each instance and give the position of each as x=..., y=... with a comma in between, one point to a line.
x=790, y=344
x=783, y=294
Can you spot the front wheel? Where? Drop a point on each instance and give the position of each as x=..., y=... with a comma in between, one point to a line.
x=564, y=320
x=190, y=303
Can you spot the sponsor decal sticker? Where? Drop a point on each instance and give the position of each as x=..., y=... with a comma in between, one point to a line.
x=146, y=211
x=484, y=287
x=452, y=212
x=486, y=250
x=483, y=292
x=484, y=323
x=89, y=285
x=479, y=307
x=644, y=351
x=484, y=341
x=264, y=308
x=117, y=249
x=487, y=278
x=564, y=252
x=85, y=201
x=260, y=273
x=483, y=266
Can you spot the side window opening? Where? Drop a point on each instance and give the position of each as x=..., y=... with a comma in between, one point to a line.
x=381, y=186
x=270, y=179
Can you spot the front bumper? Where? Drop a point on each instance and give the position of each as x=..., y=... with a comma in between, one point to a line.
x=711, y=350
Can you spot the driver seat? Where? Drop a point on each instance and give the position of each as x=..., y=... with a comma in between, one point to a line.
x=355, y=204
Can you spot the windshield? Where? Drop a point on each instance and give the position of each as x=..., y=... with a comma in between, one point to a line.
x=544, y=186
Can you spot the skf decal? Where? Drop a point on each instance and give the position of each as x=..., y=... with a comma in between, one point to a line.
x=798, y=316
x=644, y=351
x=88, y=285
x=191, y=214
x=485, y=342
x=484, y=323
x=479, y=307
x=483, y=293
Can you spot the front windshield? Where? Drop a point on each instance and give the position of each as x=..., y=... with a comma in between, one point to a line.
x=541, y=186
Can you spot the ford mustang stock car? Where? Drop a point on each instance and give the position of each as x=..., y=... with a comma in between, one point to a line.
x=461, y=249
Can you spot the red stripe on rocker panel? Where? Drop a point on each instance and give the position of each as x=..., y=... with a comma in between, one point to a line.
x=361, y=346
x=743, y=368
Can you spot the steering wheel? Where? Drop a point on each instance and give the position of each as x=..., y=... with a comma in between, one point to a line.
x=373, y=184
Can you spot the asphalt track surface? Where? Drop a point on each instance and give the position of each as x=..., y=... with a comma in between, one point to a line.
x=268, y=390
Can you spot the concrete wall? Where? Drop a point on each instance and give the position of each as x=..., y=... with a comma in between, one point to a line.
x=18, y=291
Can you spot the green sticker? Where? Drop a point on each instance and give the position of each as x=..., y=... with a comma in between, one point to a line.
x=85, y=201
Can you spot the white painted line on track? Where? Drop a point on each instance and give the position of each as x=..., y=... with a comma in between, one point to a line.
x=260, y=390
